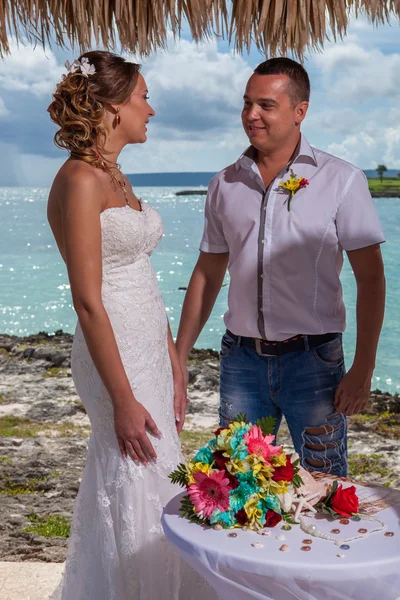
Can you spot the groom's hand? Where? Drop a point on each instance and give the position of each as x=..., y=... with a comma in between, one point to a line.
x=352, y=394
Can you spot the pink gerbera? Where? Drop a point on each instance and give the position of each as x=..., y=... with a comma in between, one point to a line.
x=209, y=492
x=260, y=444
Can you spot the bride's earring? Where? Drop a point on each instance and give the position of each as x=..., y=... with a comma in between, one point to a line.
x=117, y=117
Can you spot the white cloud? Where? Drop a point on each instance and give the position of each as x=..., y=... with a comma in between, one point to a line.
x=200, y=69
x=29, y=69
x=368, y=150
x=4, y=112
x=197, y=93
x=354, y=74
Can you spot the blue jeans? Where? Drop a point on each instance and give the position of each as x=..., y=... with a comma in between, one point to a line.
x=301, y=386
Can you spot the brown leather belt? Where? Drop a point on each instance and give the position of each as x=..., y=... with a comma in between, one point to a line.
x=293, y=344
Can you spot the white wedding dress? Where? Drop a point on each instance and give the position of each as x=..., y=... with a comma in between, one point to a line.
x=117, y=550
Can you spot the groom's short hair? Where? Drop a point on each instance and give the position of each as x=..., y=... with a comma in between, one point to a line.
x=299, y=86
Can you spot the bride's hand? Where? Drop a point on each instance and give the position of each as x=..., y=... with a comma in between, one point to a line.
x=131, y=422
x=180, y=399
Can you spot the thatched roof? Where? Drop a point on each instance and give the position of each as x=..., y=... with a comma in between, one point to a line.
x=274, y=26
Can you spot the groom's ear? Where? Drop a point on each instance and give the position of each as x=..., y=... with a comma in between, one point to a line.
x=300, y=112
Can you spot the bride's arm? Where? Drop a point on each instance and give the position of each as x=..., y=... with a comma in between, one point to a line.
x=180, y=394
x=80, y=207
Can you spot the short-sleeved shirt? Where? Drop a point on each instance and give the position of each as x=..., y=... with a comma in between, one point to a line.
x=284, y=265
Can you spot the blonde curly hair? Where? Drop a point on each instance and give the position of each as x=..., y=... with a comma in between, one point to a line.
x=79, y=104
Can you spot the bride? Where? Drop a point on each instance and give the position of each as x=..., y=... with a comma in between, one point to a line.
x=124, y=363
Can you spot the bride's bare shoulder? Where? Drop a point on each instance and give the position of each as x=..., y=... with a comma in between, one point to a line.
x=76, y=171
x=74, y=176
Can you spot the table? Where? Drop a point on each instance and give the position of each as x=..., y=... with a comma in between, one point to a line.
x=370, y=569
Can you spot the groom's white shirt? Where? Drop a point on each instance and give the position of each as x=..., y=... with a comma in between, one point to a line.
x=284, y=265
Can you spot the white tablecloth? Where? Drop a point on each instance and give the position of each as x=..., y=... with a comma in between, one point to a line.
x=370, y=569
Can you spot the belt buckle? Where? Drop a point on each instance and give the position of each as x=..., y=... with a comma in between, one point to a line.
x=259, y=351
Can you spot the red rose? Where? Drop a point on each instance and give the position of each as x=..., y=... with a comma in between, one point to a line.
x=284, y=473
x=220, y=459
x=272, y=518
x=344, y=501
x=241, y=517
x=233, y=481
x=218, y=431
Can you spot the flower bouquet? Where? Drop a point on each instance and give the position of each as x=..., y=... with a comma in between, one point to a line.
x=240, y=478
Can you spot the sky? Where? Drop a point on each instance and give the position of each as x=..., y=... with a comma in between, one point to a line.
x=197, y=90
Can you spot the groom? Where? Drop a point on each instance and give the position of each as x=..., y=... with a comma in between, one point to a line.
x=279, y=219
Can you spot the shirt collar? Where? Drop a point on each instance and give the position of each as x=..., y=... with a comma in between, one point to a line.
x=303, y=154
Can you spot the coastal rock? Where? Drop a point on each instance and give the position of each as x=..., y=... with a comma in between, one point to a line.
x=44, y=435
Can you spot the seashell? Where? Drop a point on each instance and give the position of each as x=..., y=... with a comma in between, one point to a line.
x=217, y=527
x=284, y=548
x=257, y=545
x=264, y=532
x=310, y=486
x=340, y=555
x=281, y=537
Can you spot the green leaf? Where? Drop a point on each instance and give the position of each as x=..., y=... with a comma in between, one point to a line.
x=179, y=476
x=332, y=492
x=266, y=424
x=187, y=511
x=327, y=510
x=297, y=481
x=288, y=518
x=241, y=417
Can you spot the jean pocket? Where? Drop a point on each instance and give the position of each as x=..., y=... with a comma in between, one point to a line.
x=330, y=354
x=227, y=345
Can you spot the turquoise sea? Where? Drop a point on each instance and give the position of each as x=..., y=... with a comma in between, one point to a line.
x=35, y=295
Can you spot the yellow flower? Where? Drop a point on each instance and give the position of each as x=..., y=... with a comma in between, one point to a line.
x=278, y=460
x=193, y=468
x=236, y=425
x=263, y=476
x=293, y=184
x=253, y=513
x=278, y=487
x=239, y=466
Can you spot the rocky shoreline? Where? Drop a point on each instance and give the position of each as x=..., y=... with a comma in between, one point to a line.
x=385, y=194
x=44, y=431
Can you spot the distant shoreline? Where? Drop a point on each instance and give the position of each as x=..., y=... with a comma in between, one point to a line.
x=385, y=194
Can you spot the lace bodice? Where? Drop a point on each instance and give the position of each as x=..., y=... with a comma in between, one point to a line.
x=128, y=236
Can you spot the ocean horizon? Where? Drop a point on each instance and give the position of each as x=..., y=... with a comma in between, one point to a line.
x=35, y=294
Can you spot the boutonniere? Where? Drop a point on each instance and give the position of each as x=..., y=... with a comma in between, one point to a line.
x=293, y=184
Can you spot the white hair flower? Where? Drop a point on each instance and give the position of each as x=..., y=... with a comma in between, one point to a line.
x=82, y=65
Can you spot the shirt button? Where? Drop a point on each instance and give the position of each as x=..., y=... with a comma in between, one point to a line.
x=262, y=275
x=263, y=241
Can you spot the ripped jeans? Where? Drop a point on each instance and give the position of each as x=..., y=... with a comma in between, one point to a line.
x=300, y=386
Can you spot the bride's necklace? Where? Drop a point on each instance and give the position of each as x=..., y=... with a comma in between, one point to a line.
x=121, y=182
